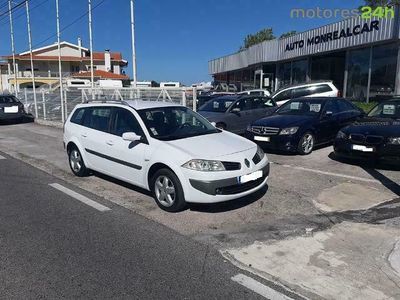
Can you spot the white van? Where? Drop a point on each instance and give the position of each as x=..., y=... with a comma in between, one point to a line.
x=77, y=83
x=109, y=83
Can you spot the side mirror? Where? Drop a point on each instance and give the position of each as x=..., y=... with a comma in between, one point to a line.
x=131, y=137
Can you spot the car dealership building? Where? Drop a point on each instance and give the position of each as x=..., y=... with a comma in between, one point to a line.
x=359, y=55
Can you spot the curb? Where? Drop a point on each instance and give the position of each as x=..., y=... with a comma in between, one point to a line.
x=56, y=124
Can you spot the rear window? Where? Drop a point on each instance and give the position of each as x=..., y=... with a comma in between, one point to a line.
x=97, y=118
x=8, y=99
x=311, y=90
x=78, y=116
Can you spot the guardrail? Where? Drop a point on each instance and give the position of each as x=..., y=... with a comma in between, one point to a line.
x=48, y=102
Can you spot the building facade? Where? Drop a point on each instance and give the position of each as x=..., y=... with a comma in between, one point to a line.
x=75, y=63
x=361, y=56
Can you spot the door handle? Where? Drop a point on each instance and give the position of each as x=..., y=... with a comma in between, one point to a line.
x=110, y=143
x=84, y=135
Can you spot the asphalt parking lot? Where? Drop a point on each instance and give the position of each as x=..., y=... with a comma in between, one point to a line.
x=311, y=203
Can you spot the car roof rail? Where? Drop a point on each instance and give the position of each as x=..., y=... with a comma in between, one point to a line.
x=104, y=101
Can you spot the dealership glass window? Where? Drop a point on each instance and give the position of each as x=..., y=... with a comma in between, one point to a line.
x=284, y=74
x=357, y=82
x=383, y=72
x=299, y=71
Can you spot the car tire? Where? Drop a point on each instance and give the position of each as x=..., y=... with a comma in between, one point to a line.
x=306, y=143
x=76, y=163
x=221, y=126
x=167, y=191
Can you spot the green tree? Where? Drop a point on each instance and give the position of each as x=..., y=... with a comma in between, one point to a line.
x=258, y=37
x=376, y=3
x=287, y=34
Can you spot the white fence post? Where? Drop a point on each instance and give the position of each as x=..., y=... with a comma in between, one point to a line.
x=44, y=105
x=194, y=98
x=184, y=98
x=26, y=96
x=65, y=105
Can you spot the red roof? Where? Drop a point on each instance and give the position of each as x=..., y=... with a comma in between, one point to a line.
x=100, y=74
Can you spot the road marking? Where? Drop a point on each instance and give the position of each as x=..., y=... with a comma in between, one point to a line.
x=2, y=157
x=332, y=174
x=259, y=288
x=79, y=197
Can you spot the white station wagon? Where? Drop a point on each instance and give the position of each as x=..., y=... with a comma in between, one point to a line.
x=165, y=148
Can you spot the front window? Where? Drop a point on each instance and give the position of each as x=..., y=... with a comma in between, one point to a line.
x=172, y=123
x=312, y=107
x=386, y=110
x=217, y=105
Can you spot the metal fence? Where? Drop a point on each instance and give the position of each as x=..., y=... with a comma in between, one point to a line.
x=48, y=102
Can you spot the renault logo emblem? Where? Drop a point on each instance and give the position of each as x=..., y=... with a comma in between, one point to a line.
x=246, y=162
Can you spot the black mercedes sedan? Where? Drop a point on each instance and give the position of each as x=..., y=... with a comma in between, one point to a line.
x=11, y=109
x=376, y=136
x=301, y=124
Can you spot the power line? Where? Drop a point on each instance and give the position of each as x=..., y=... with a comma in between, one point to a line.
x=21, y=14
x=13, y=8
x=69, y=25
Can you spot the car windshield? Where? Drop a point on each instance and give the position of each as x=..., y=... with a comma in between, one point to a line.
x=312, y=107
x=172, y=123
x=7, y=99
x=386, y=110
x=217, y=105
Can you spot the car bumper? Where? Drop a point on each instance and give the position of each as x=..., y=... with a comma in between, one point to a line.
x=11, y=116
x=286, y=143
x=344, y=148
x=200, y=190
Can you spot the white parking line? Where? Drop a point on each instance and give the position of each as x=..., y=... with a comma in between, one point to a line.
x=333, y=174
x=80, y=197
x=259, y=288
x=2, y=157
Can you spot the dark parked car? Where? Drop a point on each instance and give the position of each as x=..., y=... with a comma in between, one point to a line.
x=234, y=113
x=301, y=124
x=204, y=98
x=376, y=136
x=11, y=108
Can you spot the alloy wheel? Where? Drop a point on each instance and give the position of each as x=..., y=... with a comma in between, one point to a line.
x=75, y=160
x=165, y=191
x=308, y=143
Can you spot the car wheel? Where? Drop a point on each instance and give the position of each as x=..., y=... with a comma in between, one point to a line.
x=221, y=126
x=167, y=191
x=76, y=163
x=306, y=144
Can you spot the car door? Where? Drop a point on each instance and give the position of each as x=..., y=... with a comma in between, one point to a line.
x=329, y=121
x=237, y=116
x=94, y=137
x=126, y=157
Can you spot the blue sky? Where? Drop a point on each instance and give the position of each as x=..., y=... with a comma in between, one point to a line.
x=175, y=38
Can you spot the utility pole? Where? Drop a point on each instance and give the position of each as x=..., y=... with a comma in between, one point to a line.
x=30, y=50
x=91, y=48
x=13, y=48
x=133, y=45
x=59, y=63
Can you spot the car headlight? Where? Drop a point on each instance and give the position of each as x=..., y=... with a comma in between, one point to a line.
x=289, y=131
x=341, y=135
x=204, y=165
x=394, y=140
x=260, y=152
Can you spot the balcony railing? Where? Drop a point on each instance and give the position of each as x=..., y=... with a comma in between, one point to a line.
x=43, y=74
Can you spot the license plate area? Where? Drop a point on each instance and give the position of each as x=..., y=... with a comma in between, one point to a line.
x=11, y=109
x=363, y=148
x=262, y=138
x=250, y=177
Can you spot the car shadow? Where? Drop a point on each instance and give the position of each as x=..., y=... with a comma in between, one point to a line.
x=229, y=205
x=373, y=168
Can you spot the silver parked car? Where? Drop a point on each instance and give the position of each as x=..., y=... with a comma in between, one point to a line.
x=234, y=113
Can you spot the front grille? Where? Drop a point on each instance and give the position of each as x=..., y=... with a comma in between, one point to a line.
x=374, y=140
x=265, y=130
x=369, y=139
x=231, y=166
x=239, y=188
x=256, y=159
